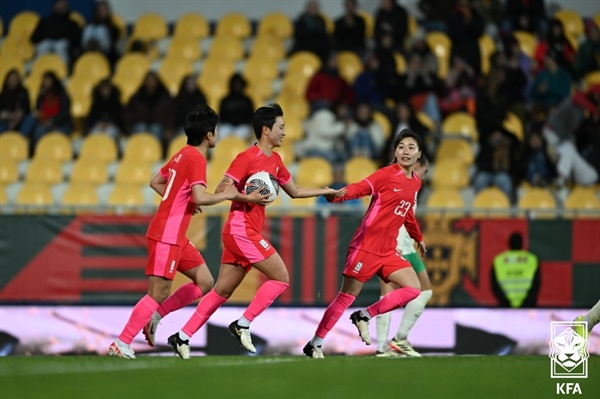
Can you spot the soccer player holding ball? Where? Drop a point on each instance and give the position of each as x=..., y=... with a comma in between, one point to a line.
x=182, y=185
x=243, y=245
x=372, y=251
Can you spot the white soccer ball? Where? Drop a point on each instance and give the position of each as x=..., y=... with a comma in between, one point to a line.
x=264, y=182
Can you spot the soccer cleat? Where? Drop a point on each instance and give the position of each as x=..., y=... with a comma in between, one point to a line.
x=312, y=351
x=150, y=329
x=403, y=347
x=181, y=347
x=243, y=336
x=120, y=349
x=362, y=324
x=389, y=354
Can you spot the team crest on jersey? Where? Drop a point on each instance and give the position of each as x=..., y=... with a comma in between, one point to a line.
x=358, y=266
x=264, y=244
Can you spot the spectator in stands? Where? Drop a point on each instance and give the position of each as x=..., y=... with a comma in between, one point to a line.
x=539, y=170
x=310, y=32
x=369, y=86
x=458, y=92
x=526, y=15
x=365, y=137
x=435, y=14
x=325, y=135
x=15, y=111
x=350, y=31
x=559, y=132
x=106, y=113
x=150, y=109
x=551, y=85
x=101, y=34
x=516, y=57
x=588, y=139
x=391, y=19
x=588, y=56
x=509, y=88
x=556, y=42
x=385, y=53
x=236, y=110
x=327, y=87
x=491, y=13
x=188, y=97
x=58, y=33
x=53, y=108
x=465, y=26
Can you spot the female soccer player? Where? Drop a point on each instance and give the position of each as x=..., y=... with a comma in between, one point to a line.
x=399, y=345
x=243, y=245
x=393, y=191
x=182, y=185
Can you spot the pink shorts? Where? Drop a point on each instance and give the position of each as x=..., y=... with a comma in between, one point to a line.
x=245, y=251
x=362, y=265
x=165, y=259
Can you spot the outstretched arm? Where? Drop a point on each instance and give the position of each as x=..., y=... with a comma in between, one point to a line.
x=301, y=192
x=353, y=191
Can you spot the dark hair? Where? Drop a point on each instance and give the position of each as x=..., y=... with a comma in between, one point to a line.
x=422, y=160
x=515, y=241
x=265, y=116
x=56, y=86
x=5, y=83
x=199, y=122
x=404, y=133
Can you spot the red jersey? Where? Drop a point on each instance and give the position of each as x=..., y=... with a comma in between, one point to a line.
x=170, y=224
x=393, y=197
x=246, y=218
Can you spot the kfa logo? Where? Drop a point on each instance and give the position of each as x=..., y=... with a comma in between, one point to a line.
x=568, y=354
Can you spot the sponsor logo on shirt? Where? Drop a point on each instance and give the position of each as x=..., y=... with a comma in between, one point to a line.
x=358, y=266
x=264, y=244
x=172, y=267
x=177, y=158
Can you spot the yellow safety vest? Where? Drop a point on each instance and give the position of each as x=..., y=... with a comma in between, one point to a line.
x=514, y=272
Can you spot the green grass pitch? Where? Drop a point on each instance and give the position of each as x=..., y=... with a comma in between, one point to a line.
x=265, y=377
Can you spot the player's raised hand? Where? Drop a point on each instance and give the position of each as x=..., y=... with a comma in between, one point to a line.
x=422, y=248
x=332, y=193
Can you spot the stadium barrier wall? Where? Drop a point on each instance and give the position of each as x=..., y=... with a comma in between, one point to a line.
x=100, y=259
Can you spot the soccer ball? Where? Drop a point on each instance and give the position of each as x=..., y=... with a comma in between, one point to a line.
x=264, y=182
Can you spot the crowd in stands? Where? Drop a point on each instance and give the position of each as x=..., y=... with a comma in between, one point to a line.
x=499, y=64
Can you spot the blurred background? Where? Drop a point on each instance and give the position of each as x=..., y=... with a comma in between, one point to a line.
x=506, y=95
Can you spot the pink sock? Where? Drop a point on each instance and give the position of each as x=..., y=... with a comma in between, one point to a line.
x=264, y=297
x=333, y=313
x=184, y=295
x=207, y=306
x=393, y=300
x=140, y=316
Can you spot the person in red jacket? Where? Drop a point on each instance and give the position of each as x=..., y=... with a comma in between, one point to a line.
x=327, y=87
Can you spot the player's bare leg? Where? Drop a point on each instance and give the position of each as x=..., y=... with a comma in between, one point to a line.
x=274, y=268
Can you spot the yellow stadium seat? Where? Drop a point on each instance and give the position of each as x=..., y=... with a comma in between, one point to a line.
x=286, y=152
x=303, y=62
x=128, y=86
x=150, y=26
x=143, y=147
x=192, y=25
x=486, y=48
x=126, y=195
x=80, y=93
x=3, y=197
x=527, y=42
x=92, y=65
x=257, y=69
x=513, y=124
x=400, y=63
x=299, y=207
x=99, y=147
x=369, y=23
x=186, y=48
x=13, y=146
x=295, y=108
x=19, y=50
x=35, y=194
x=259, y=90
x=23, y=25
x=9, y=172
x=132, y=65
x=441, y=46
x=227, y=48
x=172, y=71
x=295, y=84
x=597, y=19
x=455, y=150
x=267, y=48
x=412, y=25
x=583, y=202
x=77, y=18
x=216, y=170
x=133, y=172
x=491, y=202
x=314, y=172
x=293, y=130
x=384, y=122
x=277, y=25
x=446, y=201
x=539, y=202
x=176, y=144
x=49, y=62
x=592, y=78
x=80, y=195
x=228, y=148
x=56, y=146
x=87, y=171
x=329, y=24
x=349, y=65
x=460, y=124
x=44, y=170
x=358, y=168
x=426, y=121
x=120, y=24
x=234, y=24
x=571, y=22
x=449, y=174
